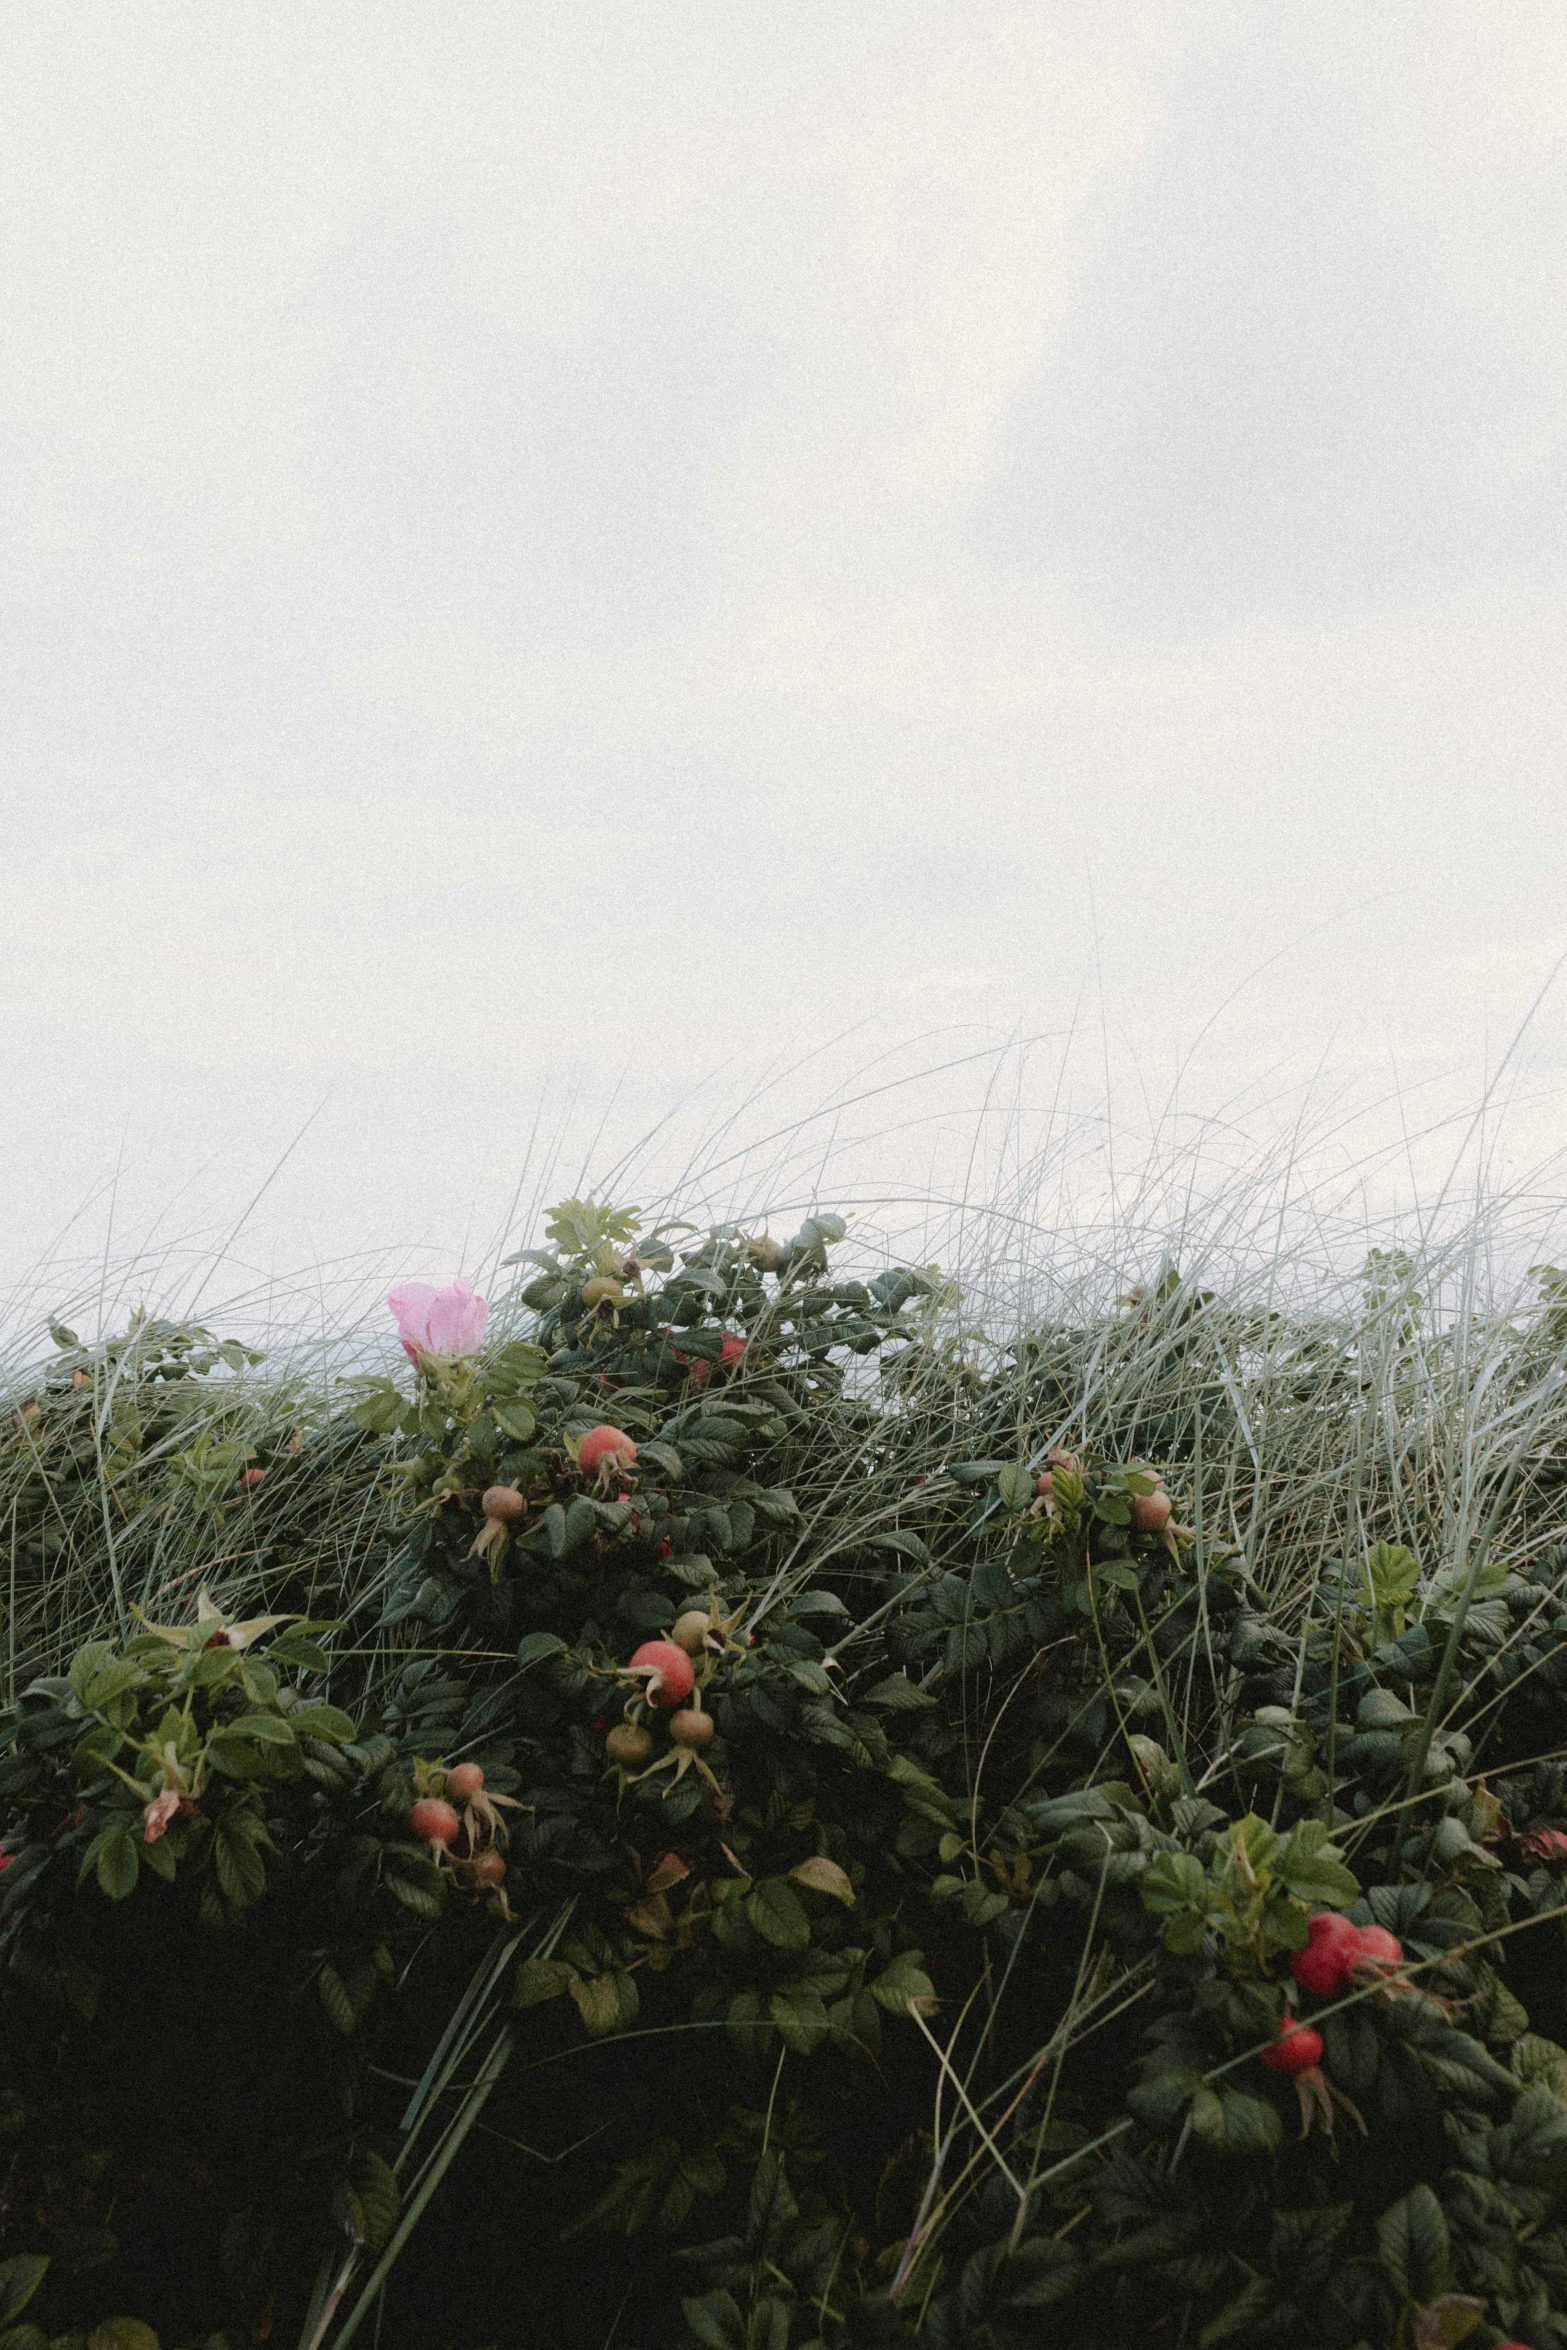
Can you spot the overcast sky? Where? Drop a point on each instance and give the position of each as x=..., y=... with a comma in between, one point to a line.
x=559, y=553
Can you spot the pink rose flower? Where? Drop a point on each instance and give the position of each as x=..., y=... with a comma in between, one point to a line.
x=159, y=1812
x=433, y=1321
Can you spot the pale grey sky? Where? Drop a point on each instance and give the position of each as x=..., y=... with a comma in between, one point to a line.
x=555, y=550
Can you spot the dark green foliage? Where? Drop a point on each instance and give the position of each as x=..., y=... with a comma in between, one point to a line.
x=923, y=2002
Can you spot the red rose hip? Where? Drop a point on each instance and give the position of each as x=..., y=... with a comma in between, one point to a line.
x=604, y=1448
x=1296, y=2050
x=670, y=1676
x=1333, y=1943
x=463, y=1782
x=433, y=1821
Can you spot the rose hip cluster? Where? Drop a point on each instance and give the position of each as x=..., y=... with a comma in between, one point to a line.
x=666, y=1679
x=1338, y=1956
x=465, y=1841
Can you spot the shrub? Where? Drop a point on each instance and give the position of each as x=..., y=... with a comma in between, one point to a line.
x=924, y=1973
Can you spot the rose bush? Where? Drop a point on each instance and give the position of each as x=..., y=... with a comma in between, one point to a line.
x=875, y=1870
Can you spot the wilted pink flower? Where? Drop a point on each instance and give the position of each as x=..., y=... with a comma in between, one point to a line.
x=1546, y=1844
x=439, y=1321
x=159, y=1812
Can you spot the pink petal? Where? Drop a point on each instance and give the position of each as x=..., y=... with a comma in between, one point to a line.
x=411, y=1302
x=159, y=1812
x=457, y=1320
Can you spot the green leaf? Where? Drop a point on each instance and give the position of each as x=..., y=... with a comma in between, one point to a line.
x=581, y=1524
x=536, y=1645
x=159, y=1857
x=824, y=1876
x=272, y=1730
x=1207, y=2115
x=115, y=1853
x=111, y=1682
x=817, y=1603
x=1160, y=2102
x=1251, y=2124
x=778, y=1915
x=1448, y=2320
x=801, y=2017
x=1240, y=2316
x=715, y=2322
x=380, y=2198
x=906, y=1545
x=211, y=1666
x=899, y=1693
x=1389, y=1576
x=966, y=1648
x=1039, y=2274
x=423, y=1894
x=519, y=1364
x=1490, y=1583
x=1379, y=1709
x=235, y=1753
x=539, y=1979
x=242, y=1874
x=773, y=2209
x=515, y=1420
x=598, y=2003
x=1315, y=1870
x=20, y=2279
x=1175, y=1883
x=544, y=1292
x=377, y=1411
x=296, y=1654
x=87, y=1664
x=1413, y=2246
x=1254, y=1841
x=903, y=1980
x=333, y=1993
x=324, y=1721
x=705, y=2171
x=122, y=2333
x=1015, y=1485
x=1119, y=1577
